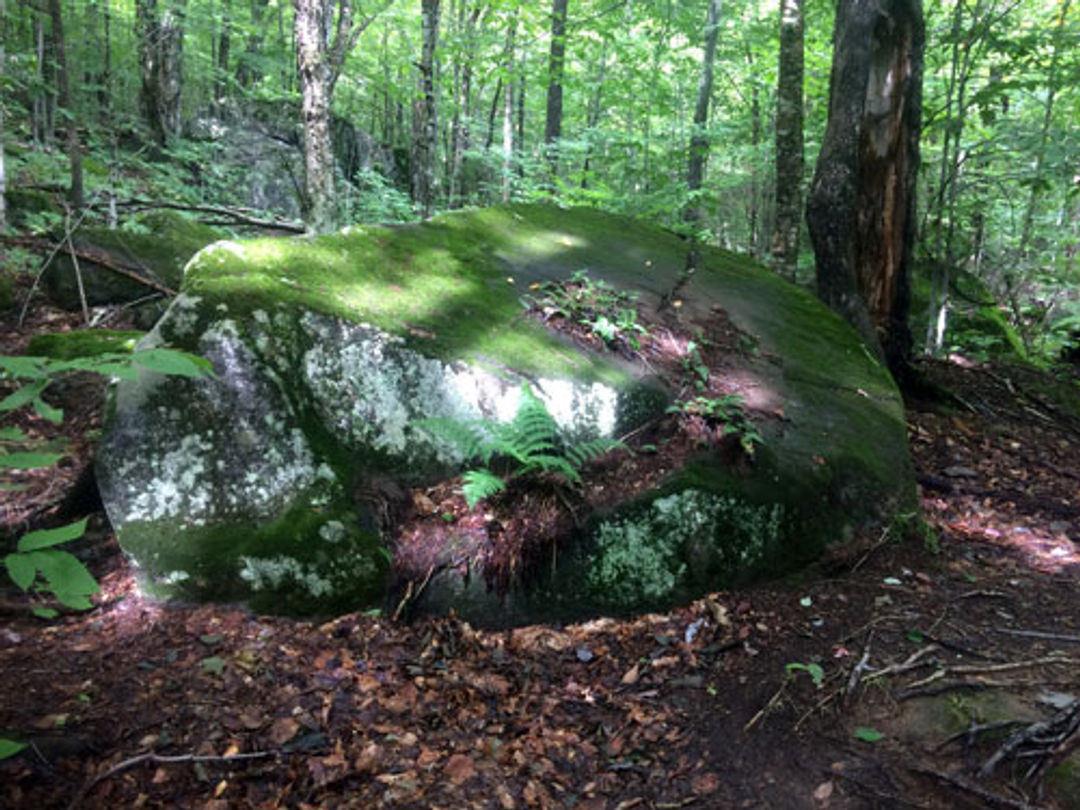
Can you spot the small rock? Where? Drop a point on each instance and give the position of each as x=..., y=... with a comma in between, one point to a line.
x=584, y=654
x=959, y=471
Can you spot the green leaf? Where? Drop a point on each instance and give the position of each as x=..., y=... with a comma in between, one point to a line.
x=47, y=411
x=23, y=366
x=46, y=538
x=11, y=434
x=125, y=371
x=44, y=612
x=214, y=665
x=29, y=461
x=21, y=569
x=170, y=361
x=9, y=748
x=24, y=395
x=868, y=734
x=67, y=578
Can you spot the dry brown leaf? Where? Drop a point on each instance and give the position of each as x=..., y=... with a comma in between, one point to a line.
x=705, y=783
x=459, y=769
x=631, y=675
x=283, y=730
x=823, y=792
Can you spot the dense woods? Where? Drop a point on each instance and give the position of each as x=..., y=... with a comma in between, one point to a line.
x=703, y=116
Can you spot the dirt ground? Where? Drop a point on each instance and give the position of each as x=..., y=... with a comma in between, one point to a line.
x=935, y=672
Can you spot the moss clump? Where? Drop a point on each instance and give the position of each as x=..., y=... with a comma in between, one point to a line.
x=83, y=343
x=689, y=537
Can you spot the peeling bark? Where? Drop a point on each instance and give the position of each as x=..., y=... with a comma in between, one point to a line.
x=861, y=207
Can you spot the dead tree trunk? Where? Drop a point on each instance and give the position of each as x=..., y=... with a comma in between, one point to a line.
x=861, y=207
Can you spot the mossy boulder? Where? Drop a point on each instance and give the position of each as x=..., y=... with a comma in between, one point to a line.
x=269, y=482
x=111, y=262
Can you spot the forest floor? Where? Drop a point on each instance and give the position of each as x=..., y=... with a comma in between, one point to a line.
x=900, y=674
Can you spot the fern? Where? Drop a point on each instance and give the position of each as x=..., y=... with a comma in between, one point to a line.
x=531, y=441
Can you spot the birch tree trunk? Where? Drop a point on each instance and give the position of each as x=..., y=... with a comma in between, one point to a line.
x=789, y=140
x=3, y=168
x=322, y=46
x=861, y=208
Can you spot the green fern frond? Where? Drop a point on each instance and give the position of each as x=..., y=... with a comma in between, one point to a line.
x=581, y=454
x=551, y=463
x=469, y=438
x=480, y=484
x=532, y=441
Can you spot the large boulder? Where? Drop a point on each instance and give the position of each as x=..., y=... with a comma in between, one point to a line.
x=294, y=477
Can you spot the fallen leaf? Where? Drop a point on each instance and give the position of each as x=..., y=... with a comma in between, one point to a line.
x=459, y=769
x=823, y=791
x=631, y=676
x=705, y=783
x=283, y=730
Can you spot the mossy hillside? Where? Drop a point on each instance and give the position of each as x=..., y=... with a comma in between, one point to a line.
x=83, y=343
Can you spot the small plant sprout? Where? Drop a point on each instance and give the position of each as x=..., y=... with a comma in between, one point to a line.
x=816, y=673
x=609, y=314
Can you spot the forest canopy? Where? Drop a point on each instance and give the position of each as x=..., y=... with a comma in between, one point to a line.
x=425, y=106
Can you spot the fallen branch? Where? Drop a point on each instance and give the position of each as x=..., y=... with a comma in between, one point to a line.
x=991, y=799
x=238, y=216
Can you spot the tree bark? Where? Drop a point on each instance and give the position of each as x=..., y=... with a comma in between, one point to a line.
x=508, y=112
x=161, y=44
x=425, y=126
x=321, y=49
x=699, y=138
x=3, y=167
x=789, y=140
x=63, y=89
x=221, y=69
x=556, y=69
x=861, y=208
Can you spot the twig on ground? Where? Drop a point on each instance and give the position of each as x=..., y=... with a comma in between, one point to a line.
x=974, y=730
x=1040, y=634
x=913, y=661
x=163, y=759
x=882, y=540
x=768, y=707
x=859, y=668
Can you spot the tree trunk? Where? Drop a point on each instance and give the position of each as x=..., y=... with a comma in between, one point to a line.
x=861, y=209
x=592, y=116
x=161, y=44
x=459, y=130
x=789, y=140
x=247, y=72
x=425, y=127
x=1044, y=134
x=699, y=139
x=556, y=69
x=221, y=69
x=3, y=168
x=508, y=113
x=312, y=20
x=754, y=204
x=63, y=89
